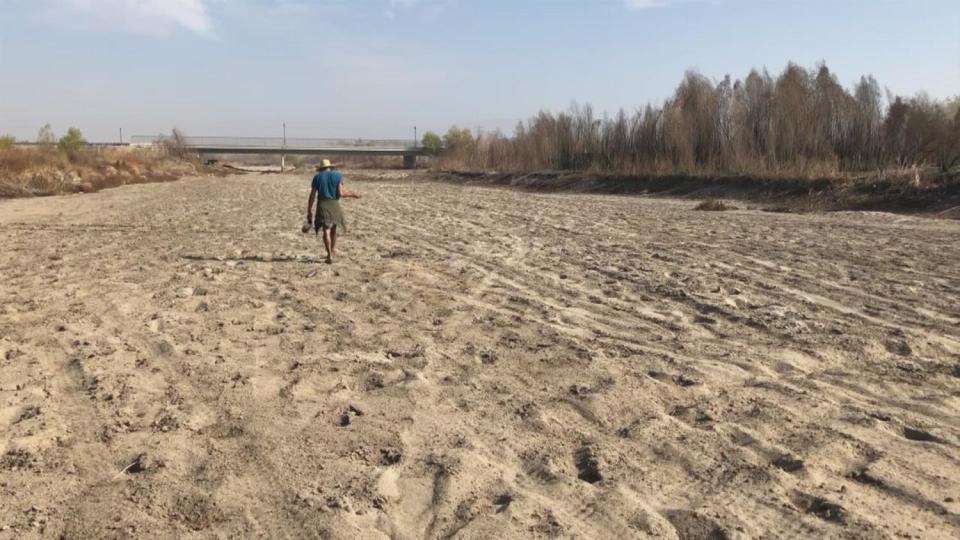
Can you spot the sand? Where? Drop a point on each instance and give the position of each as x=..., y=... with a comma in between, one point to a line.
x=176, y=361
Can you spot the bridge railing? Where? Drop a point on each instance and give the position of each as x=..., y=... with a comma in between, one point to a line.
x=275, y=142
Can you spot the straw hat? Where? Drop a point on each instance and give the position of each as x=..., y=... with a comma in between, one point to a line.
x=325, y=164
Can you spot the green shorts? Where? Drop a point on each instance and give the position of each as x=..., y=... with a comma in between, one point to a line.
x=329, y=215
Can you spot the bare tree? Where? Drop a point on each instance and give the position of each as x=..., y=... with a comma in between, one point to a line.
x=802, y=122
x=46, y=136
x=176, y=145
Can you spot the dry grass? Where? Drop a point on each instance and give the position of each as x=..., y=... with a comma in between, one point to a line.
x=37, y=171
x=714, y=205
x=18, y=160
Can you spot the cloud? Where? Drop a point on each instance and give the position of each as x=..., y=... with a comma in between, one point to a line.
x=151, y=17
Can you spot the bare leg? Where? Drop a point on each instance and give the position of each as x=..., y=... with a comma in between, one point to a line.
x=328, y=243
x=333, y=242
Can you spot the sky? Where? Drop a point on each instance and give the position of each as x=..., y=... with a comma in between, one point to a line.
x=377, y=68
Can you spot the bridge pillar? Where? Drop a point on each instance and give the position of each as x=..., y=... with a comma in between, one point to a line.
x=409, y=161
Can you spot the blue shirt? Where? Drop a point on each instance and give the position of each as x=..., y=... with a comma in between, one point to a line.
x=327, y=183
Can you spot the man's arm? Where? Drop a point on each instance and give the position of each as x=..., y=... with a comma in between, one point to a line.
x=313, y=194
x=346, y=194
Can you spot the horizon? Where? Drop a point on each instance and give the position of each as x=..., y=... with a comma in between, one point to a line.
x=377, y=68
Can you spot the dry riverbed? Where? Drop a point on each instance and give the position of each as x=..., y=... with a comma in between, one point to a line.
x=175, y=361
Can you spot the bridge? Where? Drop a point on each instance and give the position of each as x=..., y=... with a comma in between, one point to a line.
x=293, y=146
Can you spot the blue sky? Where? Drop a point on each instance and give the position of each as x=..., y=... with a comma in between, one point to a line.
x=376, y=68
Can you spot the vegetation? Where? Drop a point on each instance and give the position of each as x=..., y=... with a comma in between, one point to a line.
x=7, y=142
x=176, y=146
x=713, y=205
x=800, y=123
x=72, y=143
x=68, y=166
x=432, y=143
x=46, y=136
x=459, y=142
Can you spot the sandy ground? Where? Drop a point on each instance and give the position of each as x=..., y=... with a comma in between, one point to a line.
x=479, y=363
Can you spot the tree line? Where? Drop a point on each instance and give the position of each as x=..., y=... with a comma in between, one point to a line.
x=801, y=122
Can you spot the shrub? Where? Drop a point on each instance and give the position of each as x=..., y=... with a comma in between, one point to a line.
x=432, y=143
x=72, y=143
x=7, y=142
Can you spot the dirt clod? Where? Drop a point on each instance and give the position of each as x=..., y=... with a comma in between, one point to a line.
x=588, y=465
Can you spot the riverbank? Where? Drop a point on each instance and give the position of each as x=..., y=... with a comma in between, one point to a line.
x=939, y=196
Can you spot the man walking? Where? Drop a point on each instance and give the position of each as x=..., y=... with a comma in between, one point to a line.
x=327, y=188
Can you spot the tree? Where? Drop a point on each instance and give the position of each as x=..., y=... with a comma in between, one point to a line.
x=867, y=122
x=953, y=106
x=801, y=122
x=72, y=142
x=7, y=142
x=457, y=138
x=458, y=144
x=46, y=135
x=176, y=145
x=947, y=132
x=931, y=136
x=794, y=138
x=894, y=143
x=432, y=143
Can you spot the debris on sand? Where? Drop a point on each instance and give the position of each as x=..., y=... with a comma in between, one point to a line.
x=390, y=456
x=588, y=465
x=788, y=464
x=28, y=412
x=919, y=435
x=820, y=507
x=139, y=464
x=502, y=502
x=690, y=525
x=714, y=205
x=347, y=415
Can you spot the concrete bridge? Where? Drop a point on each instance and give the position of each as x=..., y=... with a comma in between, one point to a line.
x=295, y=146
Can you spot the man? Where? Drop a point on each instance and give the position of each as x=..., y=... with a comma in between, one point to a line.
x=327, y=188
